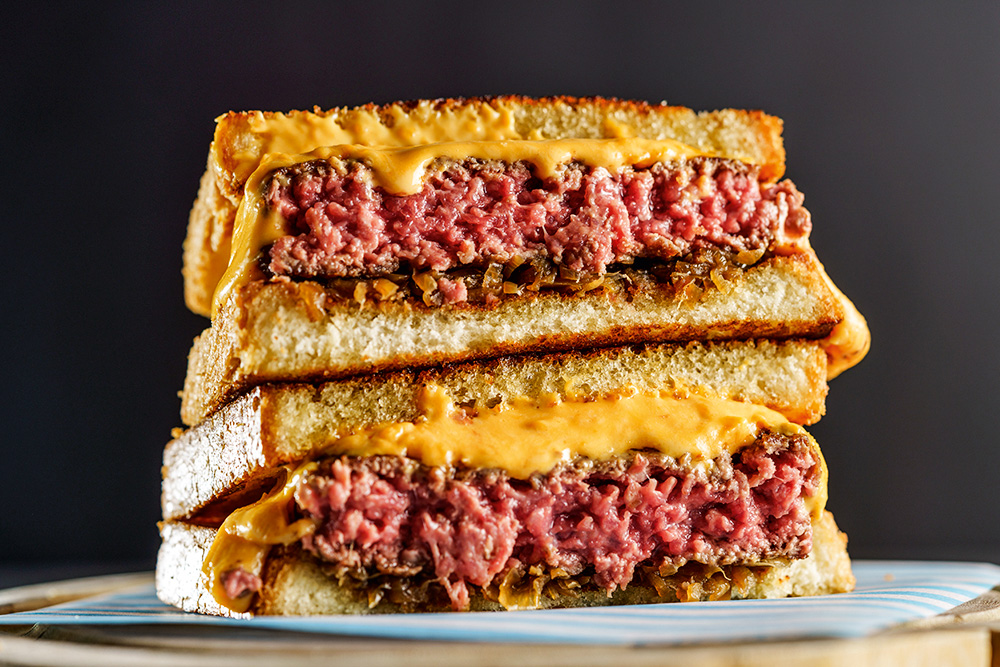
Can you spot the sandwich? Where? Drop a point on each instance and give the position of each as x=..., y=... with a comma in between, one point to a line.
x=501, y=354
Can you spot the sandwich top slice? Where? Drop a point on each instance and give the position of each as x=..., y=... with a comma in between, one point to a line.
x=245, y=141
x=622, y=476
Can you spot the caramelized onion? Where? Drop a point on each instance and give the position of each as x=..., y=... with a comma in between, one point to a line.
x=521, y=586
x=689, y=277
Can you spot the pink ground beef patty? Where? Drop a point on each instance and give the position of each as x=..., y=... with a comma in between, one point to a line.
x=475, y=213
x=392, y=516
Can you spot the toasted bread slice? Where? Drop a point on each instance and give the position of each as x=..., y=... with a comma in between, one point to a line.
x=286, y=331
x=242, y=139
x=276, y=424
x=295, y=584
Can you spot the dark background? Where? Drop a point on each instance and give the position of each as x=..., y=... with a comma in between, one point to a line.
x=892, y=113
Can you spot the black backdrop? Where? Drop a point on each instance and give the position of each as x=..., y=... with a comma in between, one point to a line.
x=891, y=114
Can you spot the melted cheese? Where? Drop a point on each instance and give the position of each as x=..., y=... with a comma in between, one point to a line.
x=247, y=535
x=850, y=339
x=523, y=437
x=301, y=132
x=400, y=170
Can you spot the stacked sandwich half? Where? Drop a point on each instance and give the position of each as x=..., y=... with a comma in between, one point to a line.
x=501, y=354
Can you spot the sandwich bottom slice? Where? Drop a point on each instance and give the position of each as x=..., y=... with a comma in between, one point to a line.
x=297, y=583
x=553, y=499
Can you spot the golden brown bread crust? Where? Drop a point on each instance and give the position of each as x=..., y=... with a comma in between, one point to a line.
x=288, y=331
x=748, y=135
x=295, y=585
x=275, y=424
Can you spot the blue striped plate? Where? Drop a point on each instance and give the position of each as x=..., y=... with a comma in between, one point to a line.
x=888, y=593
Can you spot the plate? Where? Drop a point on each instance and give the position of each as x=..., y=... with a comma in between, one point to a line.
x=895, y=611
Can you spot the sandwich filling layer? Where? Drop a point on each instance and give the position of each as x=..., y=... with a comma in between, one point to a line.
x=588, y=489
x=388, y=524
x=578, y=204
x=476, y=213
